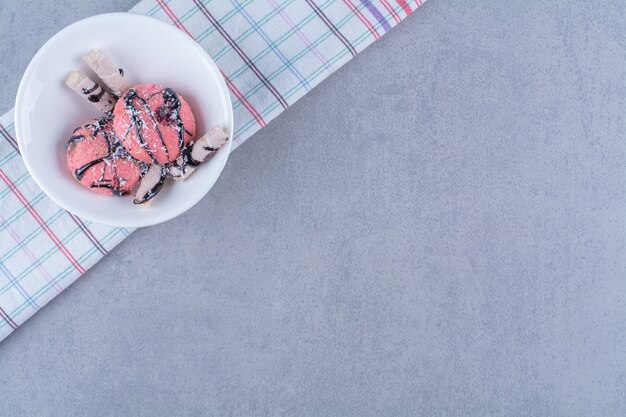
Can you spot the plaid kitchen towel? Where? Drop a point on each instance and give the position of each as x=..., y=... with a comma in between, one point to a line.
x=271, y=53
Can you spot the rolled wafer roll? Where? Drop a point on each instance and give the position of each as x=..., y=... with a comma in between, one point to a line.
x=109, y=73
x=152, y=181
x=91, y=91
x=208, y=144
x=199, y=152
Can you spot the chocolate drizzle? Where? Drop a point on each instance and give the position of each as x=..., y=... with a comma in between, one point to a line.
x=172, y=104
x=94, y=98
x=114, y=190
x=81, y=171
x=187, y=158
x=115, y=151
x=75, y=138
x=91, y=90
x=167, y=114
x=137, y=121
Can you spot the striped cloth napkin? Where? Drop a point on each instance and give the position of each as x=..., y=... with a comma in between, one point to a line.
x=271, y=53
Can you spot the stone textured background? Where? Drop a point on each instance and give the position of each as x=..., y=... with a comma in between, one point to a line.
x=438, y=230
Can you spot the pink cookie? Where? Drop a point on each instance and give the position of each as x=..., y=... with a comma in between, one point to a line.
x=98, y=161
x=153, y=123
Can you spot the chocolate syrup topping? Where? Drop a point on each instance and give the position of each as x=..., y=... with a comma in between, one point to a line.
x=137, y=122
x=75, y=138
x=90, y=90
x=172, y=103
x=115, y=151
x=187, y=158
x=81, y=171
x=94, y=98
x=167, y=114
x=114, y=190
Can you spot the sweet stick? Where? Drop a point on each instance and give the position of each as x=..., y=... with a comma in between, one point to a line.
x=109, y=73
x=151, y=183
x=91, y=91
x=199, y=152
x=208, y=144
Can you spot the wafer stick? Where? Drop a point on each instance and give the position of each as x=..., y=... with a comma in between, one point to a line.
x=91, y=91
x=152, y=182
x=199, y=152
x=109, y=73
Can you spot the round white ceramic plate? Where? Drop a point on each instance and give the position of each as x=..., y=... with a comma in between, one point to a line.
x=148, y=50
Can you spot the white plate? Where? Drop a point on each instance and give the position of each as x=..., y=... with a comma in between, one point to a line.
x=148, y=50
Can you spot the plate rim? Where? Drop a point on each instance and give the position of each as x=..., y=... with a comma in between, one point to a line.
x=122, y=222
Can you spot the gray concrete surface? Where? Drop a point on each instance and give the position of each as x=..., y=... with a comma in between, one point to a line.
x=436, y=230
